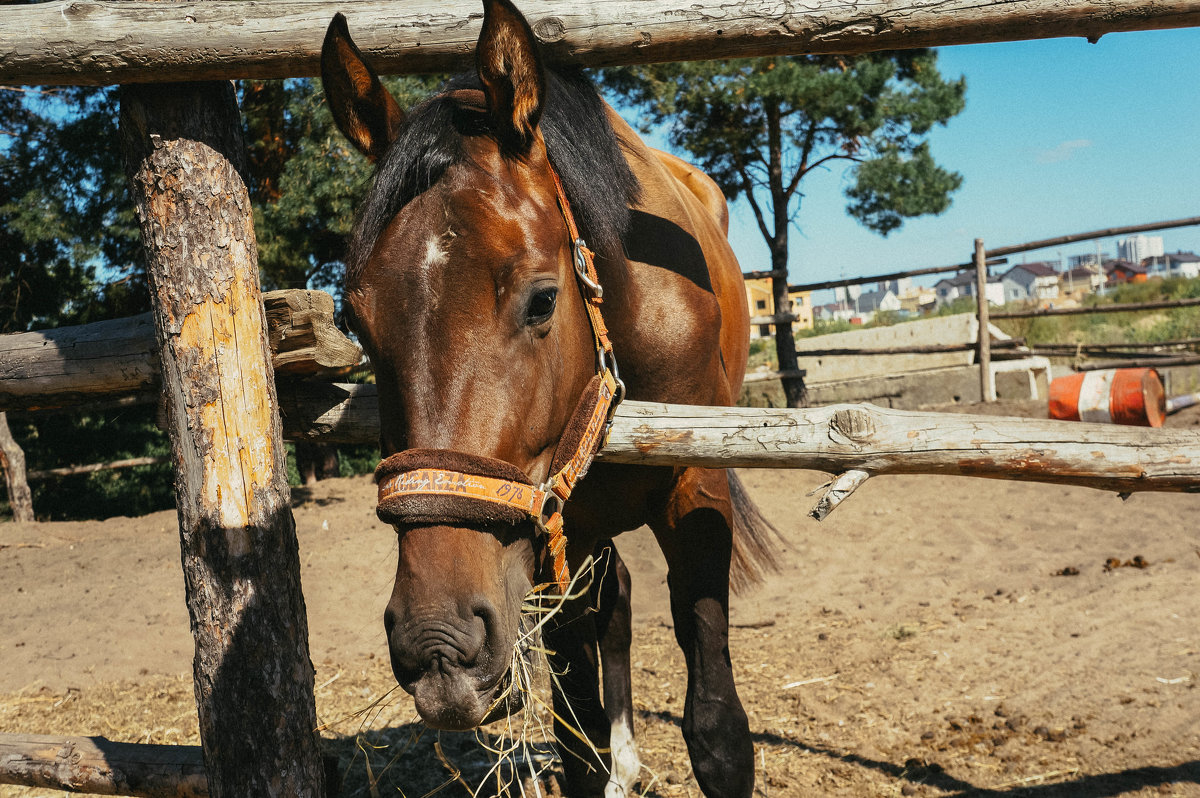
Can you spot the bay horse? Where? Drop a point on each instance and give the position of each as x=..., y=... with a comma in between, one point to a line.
x=467, y=285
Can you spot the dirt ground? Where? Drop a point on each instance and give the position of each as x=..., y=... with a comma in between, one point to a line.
x=935, y=636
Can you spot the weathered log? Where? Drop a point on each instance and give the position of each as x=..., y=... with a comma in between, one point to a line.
x=70, y=471
x=108, y=360
x=841, y=438
x=329, y=412
x=303, y=338
x=16, y=481
x=100, y=766
x=1107, y=232
x=878, y=440
x=60, y=367
x=883, y=278
x=93, y=43
x=254, y=680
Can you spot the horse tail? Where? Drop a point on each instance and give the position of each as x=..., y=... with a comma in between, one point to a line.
x=755, y=539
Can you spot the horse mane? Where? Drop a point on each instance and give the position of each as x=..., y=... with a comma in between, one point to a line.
x=580, y=142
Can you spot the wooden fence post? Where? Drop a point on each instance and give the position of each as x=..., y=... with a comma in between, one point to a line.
x=254, y=679
x=12, y=460
x=987, y=390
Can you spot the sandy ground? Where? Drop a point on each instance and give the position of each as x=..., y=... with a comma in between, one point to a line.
x=920, y=641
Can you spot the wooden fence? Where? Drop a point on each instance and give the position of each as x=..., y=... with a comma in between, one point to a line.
x=983, y=259
x=183, y=147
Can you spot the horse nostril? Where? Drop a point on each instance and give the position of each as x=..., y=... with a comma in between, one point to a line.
x=481, y=624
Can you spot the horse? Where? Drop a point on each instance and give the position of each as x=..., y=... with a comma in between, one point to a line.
x=517, y=242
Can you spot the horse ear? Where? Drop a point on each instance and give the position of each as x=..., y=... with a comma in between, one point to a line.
x=510, y=68
x=362, y=108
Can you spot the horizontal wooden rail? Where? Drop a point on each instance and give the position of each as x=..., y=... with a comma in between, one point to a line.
x=117, y=359
x=996, y=257
x=70, y=471
x=879, y=278
x=97, y=765
x=1108, y=348
x=766, y=376
x=1141, y=362
x=778, y=318
x=841, y=438
x=1091, y=234
x=87, y=42
x=927, y=349
x=1110, y=308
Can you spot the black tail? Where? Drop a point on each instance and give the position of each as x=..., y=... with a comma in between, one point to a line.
x=755, y=539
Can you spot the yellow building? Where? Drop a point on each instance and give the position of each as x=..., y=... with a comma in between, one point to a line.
x=761, y=302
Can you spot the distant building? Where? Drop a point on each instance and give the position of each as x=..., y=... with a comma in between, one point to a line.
x=1036, y=282
x=1076, y=283
x=1122, y=271
x=1088, y=259
x=871, y=302
x=901, y=287
x=1183, y=264
x=761, y=302
x=918, y=301
x=962, y=284
x=1136, y=249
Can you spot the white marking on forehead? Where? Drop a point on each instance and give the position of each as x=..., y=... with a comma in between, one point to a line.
x=435, y=252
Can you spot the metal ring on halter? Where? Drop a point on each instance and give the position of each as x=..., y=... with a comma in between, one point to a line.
x=551, y=504
x=581, y=269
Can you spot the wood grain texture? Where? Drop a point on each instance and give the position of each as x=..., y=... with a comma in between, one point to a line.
x=254, y=679
x=840, y=438
x=66, y=366
x=93, y=43
x=101, y=766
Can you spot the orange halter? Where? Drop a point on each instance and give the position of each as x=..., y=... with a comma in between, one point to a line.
x=436, y=485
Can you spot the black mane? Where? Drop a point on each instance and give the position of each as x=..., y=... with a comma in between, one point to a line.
x=579, y=140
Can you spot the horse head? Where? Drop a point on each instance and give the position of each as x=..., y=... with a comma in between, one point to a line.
x=461, y=285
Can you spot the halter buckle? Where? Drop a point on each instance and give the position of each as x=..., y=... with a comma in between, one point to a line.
x=581, y=266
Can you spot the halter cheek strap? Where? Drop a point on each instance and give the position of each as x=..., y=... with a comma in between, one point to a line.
x=440, y=486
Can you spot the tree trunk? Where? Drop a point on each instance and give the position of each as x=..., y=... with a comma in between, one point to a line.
x=254, y=679
x=12, y=460
x=785, y=344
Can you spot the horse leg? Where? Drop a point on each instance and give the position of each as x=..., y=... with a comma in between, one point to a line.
x=611, y=593
x=591, y=635
x=694, y=531
x=570, y=641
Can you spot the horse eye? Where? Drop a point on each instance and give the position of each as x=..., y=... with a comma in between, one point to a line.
x=541, y=306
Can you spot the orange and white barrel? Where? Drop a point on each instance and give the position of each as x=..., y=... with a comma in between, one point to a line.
x=1110, y=396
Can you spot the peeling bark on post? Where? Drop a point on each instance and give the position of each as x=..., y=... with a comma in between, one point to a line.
x=254, y=679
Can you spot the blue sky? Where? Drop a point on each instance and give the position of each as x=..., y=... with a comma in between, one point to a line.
x=1058, y=136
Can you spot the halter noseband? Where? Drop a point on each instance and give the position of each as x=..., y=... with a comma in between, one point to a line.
x=438, y=486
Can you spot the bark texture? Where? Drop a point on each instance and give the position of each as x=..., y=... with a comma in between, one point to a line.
x=254, y=679
x=88, y=42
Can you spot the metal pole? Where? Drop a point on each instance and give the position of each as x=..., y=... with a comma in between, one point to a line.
x=987, y=390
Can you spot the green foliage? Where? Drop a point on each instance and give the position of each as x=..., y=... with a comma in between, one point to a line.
x=305, y=180
x=1118, y=328
x=759, y=126
x=826, y=327
x=64, y=211
x=57, y=440
x=962, y=304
